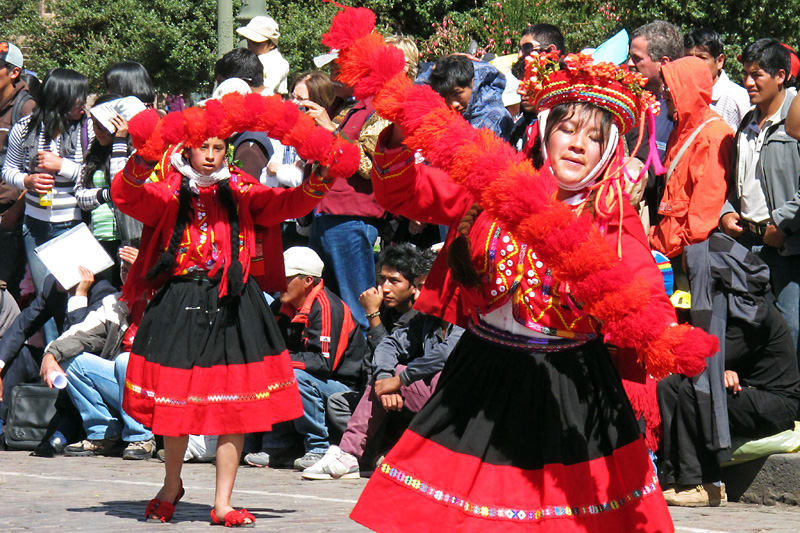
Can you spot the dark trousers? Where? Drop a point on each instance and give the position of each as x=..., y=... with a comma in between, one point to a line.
x=684, y=458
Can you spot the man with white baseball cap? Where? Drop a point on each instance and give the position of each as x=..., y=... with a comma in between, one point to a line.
x=262, y=36
x=327, y=348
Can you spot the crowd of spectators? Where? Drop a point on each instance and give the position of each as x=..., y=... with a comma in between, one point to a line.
x=724, y=213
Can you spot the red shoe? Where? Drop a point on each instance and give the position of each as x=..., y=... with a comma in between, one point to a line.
x=234, y=519
x=161, y=510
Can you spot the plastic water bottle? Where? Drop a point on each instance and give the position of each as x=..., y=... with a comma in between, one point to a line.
x=46, y=199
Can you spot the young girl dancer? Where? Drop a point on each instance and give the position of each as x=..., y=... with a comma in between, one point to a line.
x=529, y=428
x=208, y=358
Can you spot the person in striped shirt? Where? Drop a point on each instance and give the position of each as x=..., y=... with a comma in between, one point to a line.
x=45, y=158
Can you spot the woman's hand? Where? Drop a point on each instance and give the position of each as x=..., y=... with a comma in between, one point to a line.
x=319, y=114
x=39, y=183
x=120, y=126
x=48, y=161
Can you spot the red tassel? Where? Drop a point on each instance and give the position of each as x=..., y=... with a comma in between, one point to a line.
x=390, y=102
x=288, y=119
x=142, y=126
x=235, y=115
x=303, y=129
x=348, y=26
x=316, y=146
x=345, y=159
x=194, y=123
x=691, y=354
x=215, y=117
x=273, y=110
x=172, y=128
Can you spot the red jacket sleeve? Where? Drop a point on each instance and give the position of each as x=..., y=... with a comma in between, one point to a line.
x=270, y=206
x=415, y=190
x=144, y=201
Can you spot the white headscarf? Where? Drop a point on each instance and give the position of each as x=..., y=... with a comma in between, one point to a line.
x=197, y=180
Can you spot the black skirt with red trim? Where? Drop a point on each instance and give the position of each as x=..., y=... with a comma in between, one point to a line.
x=516, y=440
x=204, y=366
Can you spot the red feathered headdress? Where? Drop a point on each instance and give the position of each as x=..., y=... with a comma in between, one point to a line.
x=235, y=112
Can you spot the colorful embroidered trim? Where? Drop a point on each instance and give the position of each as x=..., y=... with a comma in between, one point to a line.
x=210, y=399
x=528, y=344
x=518, y=515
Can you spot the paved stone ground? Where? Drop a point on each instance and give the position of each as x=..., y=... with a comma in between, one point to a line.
x=108, y=494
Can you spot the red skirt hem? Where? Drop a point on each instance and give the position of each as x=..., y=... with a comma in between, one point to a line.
x=453, y=491
x=219, y=400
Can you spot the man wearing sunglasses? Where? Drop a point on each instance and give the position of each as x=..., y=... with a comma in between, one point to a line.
x=535, y=39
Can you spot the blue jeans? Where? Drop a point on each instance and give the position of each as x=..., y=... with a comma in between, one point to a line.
x=36, y=232
x=96, y=386
x=784, y=273
x=314, y=394
x=345, y=245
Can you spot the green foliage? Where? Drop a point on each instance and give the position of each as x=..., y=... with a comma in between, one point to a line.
x=174, y=39
x=496, y=26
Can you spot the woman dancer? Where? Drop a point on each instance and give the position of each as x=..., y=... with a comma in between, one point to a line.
x=208, y=358
x=529, y=428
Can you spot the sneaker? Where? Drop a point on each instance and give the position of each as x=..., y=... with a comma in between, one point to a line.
x=274, y=457
x=161, y=455
x=309, y=459
x=143, y=449
x=84, y=448
x=258, y=459
x=335, y=464
x=705, y=495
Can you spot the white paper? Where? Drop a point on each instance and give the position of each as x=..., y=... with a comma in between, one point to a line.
x=76, y=247
x=58, y=379
x=128, y=107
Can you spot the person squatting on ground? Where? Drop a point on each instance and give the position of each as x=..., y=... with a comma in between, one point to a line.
x=327, y=348
x=94, y=356
x=529, y=406
x=406, y=366
x=208, y=358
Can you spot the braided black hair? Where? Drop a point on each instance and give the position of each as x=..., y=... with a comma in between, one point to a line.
x=235, y=270
x=459, y=255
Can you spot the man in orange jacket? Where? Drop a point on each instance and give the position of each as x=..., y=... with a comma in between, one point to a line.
x=698, y=163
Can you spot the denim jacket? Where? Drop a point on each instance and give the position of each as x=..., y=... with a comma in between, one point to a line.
x=780, y=164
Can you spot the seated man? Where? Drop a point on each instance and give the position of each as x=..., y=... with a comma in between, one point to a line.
x=327, y=348
x=406, y=365
x=388, y=307
x=94, y=353
x=751, y=388
x=19, y=361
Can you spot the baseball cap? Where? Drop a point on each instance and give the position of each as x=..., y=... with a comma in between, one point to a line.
x=259, y=29
x=302, y=260
x=10, y=54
